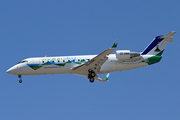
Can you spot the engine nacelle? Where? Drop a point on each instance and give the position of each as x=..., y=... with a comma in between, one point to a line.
x=126, y=54
x=123, y=54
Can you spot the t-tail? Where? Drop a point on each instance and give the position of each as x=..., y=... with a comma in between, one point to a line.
x=155, y=49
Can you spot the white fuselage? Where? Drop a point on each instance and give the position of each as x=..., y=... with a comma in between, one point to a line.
x=64, y=64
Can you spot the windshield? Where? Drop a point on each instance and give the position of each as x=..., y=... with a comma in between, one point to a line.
x=22, y=61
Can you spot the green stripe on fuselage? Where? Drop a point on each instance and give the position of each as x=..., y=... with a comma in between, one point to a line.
x=155, y=59
x=35, y=67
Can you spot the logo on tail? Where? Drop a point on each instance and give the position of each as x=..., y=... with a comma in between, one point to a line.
x=157, y=49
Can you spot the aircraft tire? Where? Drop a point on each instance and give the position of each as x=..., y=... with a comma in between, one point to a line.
x=91, y=80
x=93, y=74
x=20, y=81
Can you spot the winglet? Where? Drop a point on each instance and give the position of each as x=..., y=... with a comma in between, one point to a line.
x=115, y=44
x=102, y=80
x=107, y=77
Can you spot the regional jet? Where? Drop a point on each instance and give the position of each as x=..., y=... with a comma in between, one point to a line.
x=89, y=66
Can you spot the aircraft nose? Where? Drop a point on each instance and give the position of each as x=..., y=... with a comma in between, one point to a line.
x=13, y=70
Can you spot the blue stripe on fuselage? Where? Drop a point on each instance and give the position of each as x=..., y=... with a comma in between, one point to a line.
x=156, y=41
x=33, y=64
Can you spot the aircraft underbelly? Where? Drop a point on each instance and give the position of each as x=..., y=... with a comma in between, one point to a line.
x=121, y=67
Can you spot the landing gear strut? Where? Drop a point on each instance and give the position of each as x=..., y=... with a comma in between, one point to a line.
x=91, y=75
x=20, y=80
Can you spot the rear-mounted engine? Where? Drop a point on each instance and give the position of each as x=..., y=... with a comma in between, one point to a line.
x=126, y=54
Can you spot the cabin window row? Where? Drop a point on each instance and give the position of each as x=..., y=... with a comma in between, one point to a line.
x=67, y=60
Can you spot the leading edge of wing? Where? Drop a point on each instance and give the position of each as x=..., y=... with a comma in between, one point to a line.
x=99, y=59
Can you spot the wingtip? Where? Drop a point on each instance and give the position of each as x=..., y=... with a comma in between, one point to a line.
x=115, y=44
x=107, y=77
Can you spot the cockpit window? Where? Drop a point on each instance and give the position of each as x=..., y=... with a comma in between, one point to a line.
x=23, y=61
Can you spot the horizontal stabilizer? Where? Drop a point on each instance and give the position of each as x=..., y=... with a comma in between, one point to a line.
x=168, y=37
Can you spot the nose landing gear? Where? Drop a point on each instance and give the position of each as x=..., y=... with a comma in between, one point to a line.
x=91, y=75
x=20, y=80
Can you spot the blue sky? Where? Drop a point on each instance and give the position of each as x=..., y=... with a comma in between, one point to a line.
x=56, y=28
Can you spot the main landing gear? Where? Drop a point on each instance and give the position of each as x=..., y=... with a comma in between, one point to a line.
x=91, y=75
x=20, y=80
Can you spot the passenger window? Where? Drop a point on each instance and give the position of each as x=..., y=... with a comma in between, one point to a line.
x=73, y=60
x=58, y=60
x=63, y=60
x=42, y=61
x=68, y=60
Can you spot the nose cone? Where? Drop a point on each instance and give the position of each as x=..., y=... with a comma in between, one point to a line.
x=13, y=70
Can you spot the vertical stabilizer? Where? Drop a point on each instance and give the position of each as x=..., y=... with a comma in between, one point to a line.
x=157, y=46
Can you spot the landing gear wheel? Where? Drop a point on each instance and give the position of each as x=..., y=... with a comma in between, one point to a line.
x=20, y=81
x=93, y=74
x=91, y=80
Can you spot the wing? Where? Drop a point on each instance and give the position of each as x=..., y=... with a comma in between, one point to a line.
x=95, y=63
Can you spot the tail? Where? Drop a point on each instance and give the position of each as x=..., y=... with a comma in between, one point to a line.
x=157, y=46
